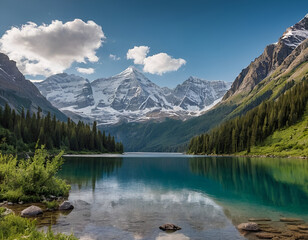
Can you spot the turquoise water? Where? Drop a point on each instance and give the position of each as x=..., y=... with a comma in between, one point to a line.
x=130, y=196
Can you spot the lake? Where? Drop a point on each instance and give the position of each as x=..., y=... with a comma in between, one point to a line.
x=129, y=196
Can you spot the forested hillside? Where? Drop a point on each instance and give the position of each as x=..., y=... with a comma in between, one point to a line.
x=22, y=132
x=252, y=128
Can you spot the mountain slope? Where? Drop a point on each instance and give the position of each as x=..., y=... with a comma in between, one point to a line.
x=21, y=93
x=130, y=97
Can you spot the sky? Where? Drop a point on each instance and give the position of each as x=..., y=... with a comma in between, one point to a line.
x=166, y=40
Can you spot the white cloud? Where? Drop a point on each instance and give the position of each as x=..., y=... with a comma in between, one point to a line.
x=49, y=49
x=138, y=54
x=156, y=64
x=114, y=57
x=85, y=70
x=161, y=63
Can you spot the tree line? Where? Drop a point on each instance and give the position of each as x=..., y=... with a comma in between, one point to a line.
x=250, y=129
x=22, y=132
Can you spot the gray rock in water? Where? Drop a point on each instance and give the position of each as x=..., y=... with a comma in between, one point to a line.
x=6, y=212
x=169, y=227
x=31, y=211
x=250, y=226
x=66, y=205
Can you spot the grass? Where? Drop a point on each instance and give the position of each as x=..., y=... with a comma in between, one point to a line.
x=290, y=141
x=15, y=227
x=52, y=204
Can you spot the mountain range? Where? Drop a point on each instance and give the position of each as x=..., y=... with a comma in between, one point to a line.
x=129, y=97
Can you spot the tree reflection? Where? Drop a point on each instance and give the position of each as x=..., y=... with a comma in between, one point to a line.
x=85, y=171
x=281, y=182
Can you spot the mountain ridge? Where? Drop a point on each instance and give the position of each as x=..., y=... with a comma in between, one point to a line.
x=130, y=96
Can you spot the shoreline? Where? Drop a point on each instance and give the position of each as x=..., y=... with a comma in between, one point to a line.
x=251, y=156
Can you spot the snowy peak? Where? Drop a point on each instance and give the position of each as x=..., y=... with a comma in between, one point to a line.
x=65, y=90
x=296, y=34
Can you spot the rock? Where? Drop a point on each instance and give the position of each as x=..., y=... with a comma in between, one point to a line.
x=21, y=202
x=31, y=211
x=293, y=228
x=303, y=227
x=259, y=219
x=66, y=205
x=291, y=220
x=250, y=226
x=169, y=227
x=10, y=203
x=52, y=197
x=6, y=212
x=265, y=235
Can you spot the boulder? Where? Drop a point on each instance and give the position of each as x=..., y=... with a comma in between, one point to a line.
x=31, y=211
x=169, y=227
x=66, y=205
x=250, y=226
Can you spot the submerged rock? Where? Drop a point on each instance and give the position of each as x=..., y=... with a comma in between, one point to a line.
x=6, y=212
x=250, y=226
x=169, y=227
x=66, y=205
x=291, y=220
x=265, y=235
x=31, y=211
x=259, y=219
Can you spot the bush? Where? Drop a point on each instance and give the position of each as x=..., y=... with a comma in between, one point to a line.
x=28, y=180
x=14, y=227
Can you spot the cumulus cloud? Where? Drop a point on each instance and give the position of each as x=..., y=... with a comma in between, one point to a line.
x=49, y=49
x=138, y=54
x=114, y=57
x=161, y=63
x=85, y=70
x=156, y=64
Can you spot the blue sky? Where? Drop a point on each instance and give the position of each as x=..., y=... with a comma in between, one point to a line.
x=217, y=39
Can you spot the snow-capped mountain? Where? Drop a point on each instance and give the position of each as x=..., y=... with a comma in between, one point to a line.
x=65, y=90
x=195, y=94
x=130, y=96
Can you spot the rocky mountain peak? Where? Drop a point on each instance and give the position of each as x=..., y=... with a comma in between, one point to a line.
x=295, y=34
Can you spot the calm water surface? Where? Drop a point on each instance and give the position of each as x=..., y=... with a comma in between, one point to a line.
x=130, y=196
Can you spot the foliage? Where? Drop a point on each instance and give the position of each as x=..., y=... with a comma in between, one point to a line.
x=252, y=128
x=22, y=131
x=29, y=179
x=52, y=204
x=15, y=227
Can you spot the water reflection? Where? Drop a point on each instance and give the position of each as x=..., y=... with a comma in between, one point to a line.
x=279, y=182
x=86, y=171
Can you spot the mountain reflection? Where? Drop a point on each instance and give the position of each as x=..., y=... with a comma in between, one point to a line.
x=85, y=171
x=280, y=182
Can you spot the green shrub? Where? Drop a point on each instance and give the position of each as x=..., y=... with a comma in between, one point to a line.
x=28, y=180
